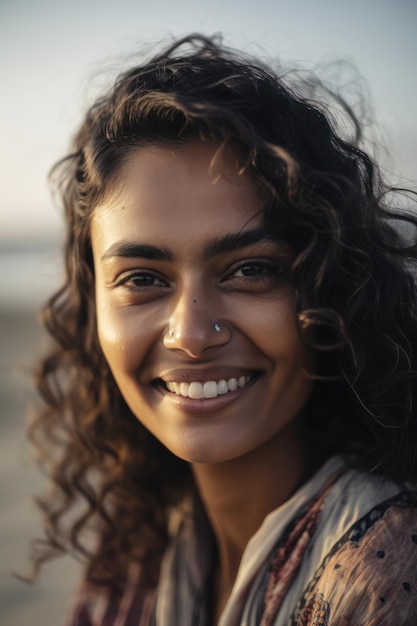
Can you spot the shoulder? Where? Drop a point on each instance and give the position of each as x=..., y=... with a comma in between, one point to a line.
x=369, y=576
x=100, y=606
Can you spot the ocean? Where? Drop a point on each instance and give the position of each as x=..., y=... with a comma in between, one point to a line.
x=29, y=272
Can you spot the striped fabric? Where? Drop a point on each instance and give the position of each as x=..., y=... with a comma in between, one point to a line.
x=97, y=607
x=342, y=551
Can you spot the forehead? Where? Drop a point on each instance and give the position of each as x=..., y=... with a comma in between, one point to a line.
x=178, y=190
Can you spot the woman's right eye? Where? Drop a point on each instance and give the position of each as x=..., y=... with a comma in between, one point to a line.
x=141, y=280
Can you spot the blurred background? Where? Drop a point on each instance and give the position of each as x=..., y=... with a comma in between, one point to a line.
x=52, y=58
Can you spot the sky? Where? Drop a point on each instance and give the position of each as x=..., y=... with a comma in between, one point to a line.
x=53, y=53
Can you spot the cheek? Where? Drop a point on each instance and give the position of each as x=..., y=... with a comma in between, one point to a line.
x=119, y=338
x=276, y=334
x=130, y=338
x=274, y=327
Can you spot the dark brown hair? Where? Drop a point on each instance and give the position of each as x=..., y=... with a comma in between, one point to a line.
x=353, y=277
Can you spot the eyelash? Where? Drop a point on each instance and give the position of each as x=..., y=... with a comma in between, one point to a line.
x=265, y=272
x=144, y=274
x=272, y=269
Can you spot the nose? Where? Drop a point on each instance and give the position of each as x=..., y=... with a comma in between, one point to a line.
x=194, y=327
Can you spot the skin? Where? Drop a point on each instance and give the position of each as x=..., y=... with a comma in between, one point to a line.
x=162, y=284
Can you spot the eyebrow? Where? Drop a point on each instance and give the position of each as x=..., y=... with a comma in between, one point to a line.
x=127, y=250
x=237, y=241
x=214, y=247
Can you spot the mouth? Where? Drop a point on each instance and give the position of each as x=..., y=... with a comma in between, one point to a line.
x=197, y=390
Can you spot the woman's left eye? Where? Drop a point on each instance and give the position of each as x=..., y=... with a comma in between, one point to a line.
x=258, y=269
x=255, y=275
x=253, y=270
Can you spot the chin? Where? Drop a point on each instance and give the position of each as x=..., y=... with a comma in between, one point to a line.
x=206, y=450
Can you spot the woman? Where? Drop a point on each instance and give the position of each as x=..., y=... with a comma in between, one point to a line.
x=232, y=390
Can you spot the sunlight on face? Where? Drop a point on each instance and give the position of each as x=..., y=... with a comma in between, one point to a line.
x=194, y=308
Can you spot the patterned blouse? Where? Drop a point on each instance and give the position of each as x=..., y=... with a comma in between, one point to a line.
x=342, y=551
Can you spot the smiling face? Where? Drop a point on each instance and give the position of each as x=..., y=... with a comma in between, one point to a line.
x=195, y=312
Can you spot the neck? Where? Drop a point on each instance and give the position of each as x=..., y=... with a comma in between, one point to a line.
x=239, y=494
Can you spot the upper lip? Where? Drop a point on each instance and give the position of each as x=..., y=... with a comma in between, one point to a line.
x=203, y=375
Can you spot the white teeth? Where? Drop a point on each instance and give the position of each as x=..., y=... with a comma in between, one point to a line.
x=209, y=389
x=222, y=387
x=195, y=391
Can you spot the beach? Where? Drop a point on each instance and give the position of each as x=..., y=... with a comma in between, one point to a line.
x=25, y=278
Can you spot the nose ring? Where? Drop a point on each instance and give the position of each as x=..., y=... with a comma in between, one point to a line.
x=216, y=328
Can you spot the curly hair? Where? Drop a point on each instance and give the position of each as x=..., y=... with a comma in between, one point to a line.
x=353, y=277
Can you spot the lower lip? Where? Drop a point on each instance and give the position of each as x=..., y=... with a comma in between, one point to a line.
x=207, y=405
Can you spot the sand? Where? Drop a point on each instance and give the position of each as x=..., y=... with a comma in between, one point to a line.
x=44, y=603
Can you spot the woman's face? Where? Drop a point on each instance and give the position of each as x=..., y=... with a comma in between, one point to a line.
x=194, y=309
